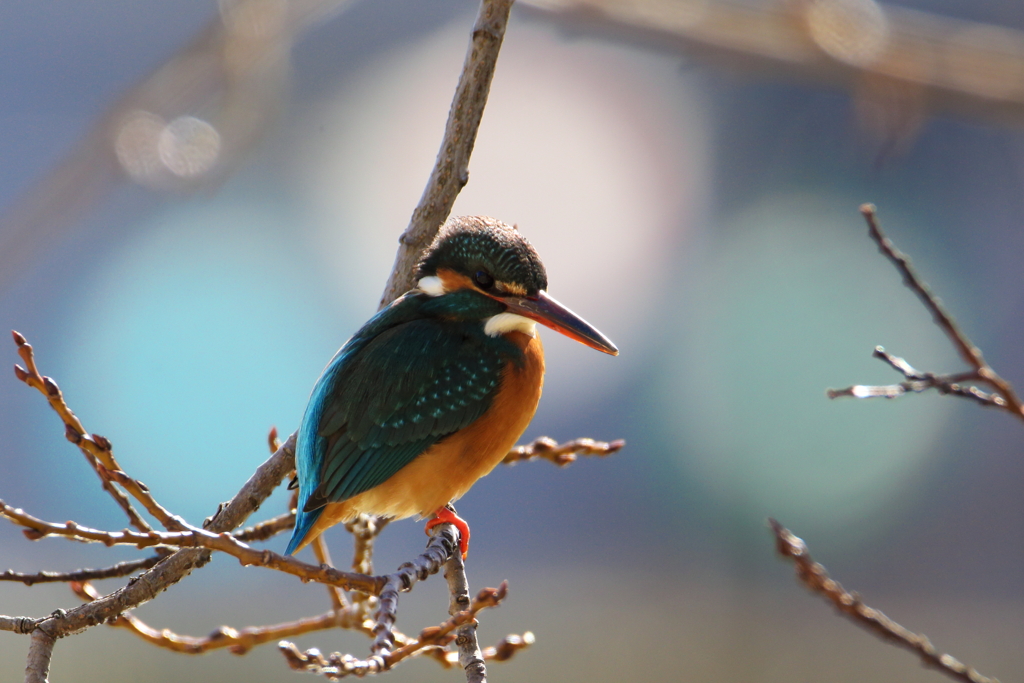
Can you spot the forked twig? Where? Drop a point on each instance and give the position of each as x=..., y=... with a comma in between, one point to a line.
x=961, y=384
x=564, y=454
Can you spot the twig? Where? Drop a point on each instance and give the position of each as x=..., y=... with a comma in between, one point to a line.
x=443, y=541
x=266, y=529
x=432, y=638
x=323, y=556
x=37, y=668
x=815, y=578
x=564, y=454
x=117, y=570
x=470, y=656
x=957, y=384
x=451, y=169
x=18, y=624
x=920, y=381
x=97, y=449
x=175, y=567
x=192, y=537
x=364, y=530
x=236, y=641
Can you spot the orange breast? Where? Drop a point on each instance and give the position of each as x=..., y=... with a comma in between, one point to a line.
x=445, y=471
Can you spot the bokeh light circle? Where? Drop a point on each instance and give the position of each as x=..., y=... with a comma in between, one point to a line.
x=597, y=152
x=791, y=302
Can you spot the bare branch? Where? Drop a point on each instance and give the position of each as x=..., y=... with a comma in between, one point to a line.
x=236, y=641
x=561, y=454
x=364, y=530
x=338, y=665
x=117, y=570
x=451, y=169
x=816, y=579
x=175, y=567
x=192, y=537
x=957, y=384
x=323, y=556
x=443, y=542
x=266, y=529
x=97, y=449
x=470, y=657
x=37, y=668
x=18, y=624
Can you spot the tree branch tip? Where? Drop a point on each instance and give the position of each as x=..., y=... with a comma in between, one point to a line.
x=19, y=338
x=20, y=373
x=868, y=209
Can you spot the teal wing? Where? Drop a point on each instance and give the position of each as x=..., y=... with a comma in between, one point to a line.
x=394, y=397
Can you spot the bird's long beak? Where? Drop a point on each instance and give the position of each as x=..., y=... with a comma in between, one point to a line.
x=549, y=312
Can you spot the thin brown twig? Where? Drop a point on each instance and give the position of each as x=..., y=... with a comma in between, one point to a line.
x=266, y=529
x=170, y=569
x=441, y=547
x=323, y=556
x=120, y=569
x=236, y=641
x=192, y=537
x=338, y=665
x=564, y=454
x=97, y=449
x=816, y=579
x=956, y=384
x=451, y=169
x=364, y=530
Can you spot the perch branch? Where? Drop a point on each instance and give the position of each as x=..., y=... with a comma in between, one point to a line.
x=338, y=665
x=37, y=669
x=451, y=169
x=564, y=454
x=958, y=384
x=443, y=541
x=816, y=579
x=470, y=657
x=117, y=570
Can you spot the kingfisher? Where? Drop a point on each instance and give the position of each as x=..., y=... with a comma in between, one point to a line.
x=435, y=389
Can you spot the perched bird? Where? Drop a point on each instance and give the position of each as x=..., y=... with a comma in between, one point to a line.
x=433, y=391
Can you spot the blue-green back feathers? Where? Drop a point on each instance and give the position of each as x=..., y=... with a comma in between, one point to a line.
x=419, y=370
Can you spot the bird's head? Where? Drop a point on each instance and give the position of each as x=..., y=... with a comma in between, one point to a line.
x=484, y=256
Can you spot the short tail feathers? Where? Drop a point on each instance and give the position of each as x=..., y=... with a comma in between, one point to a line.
x=304, y=521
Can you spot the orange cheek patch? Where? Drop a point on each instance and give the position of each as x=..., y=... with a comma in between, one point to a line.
x=453, y=281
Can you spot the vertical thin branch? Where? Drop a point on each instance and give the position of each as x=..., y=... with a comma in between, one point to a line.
x=451, y=170
x=323, y=556
x=470, y=656
x=39, y=652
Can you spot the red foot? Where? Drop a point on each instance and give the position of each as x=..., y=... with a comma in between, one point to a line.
x=447, y=516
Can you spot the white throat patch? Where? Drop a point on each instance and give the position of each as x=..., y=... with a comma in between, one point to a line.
x=503, y=323
x=431, y=285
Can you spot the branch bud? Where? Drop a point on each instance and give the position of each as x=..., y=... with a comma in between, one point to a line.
x=72, y=435
x=51, y=387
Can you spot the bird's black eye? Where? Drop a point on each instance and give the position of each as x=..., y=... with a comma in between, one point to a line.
x=484, y=279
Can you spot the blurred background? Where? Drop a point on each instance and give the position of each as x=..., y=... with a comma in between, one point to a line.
x=201, y=201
